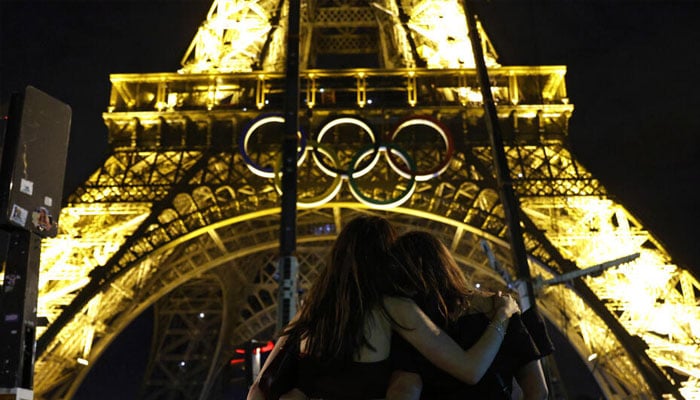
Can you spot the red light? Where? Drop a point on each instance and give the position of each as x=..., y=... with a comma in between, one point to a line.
x=267, y=347
x=261, y=349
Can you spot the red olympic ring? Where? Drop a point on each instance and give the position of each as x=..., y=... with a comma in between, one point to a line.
x=446, y=137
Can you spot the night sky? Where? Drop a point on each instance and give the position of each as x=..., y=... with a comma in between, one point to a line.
x=632, y=77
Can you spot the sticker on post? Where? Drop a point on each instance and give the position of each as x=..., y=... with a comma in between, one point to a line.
x=42, y=219
x=26, y=187
x=18, y=215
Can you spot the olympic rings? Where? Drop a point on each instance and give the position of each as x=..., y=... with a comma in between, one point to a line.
x=253, y=126
x=329, y=159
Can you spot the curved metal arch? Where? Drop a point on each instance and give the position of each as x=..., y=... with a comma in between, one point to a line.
x=157, y=286
x=164, y=280
x=167, y=279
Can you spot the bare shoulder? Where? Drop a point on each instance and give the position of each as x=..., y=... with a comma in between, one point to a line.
x=398, y=303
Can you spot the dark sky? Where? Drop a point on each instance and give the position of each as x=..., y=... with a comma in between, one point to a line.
x=632, y=77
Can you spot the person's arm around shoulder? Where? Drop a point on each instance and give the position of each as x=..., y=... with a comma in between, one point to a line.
x=468, y=366
x=531, y=380
x=404, y=385
x=255, y=393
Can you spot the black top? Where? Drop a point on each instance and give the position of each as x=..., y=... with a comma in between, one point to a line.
x=517, y=350
x=351, y=381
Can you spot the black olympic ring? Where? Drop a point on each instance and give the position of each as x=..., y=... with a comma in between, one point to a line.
x=337, y=170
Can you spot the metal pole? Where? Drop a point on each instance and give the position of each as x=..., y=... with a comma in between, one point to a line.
x=505, y=183
x=511, y=205
x=635, y=346
x=287, y=265
x=20, y=252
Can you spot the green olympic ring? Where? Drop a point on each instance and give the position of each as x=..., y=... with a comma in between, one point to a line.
x=386, y=203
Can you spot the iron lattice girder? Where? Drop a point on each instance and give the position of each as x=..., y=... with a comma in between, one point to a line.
x=186, y=321
x=347, y=44
x=343, y=17
x=129, y=177
x=246, y=35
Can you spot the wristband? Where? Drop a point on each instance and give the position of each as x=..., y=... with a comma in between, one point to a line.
x=498, y=326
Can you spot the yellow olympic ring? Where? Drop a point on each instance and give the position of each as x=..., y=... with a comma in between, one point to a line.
x=323, y=198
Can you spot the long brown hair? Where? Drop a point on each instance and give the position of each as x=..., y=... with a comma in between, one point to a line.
x=443, y=287
x=359, y=273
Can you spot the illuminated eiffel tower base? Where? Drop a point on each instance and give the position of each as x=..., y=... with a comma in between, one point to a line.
x=183, y=217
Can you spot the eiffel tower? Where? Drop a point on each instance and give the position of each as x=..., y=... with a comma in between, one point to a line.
x=183, y=217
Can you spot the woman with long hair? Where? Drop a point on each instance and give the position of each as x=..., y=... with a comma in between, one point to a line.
x=344, y=328
x=447, y=297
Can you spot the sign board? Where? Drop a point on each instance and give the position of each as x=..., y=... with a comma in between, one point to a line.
x=33, y=163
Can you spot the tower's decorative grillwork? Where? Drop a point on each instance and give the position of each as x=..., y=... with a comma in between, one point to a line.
x=183, y=215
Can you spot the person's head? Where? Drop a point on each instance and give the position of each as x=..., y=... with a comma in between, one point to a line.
x=356, y=277
x=441, y=283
